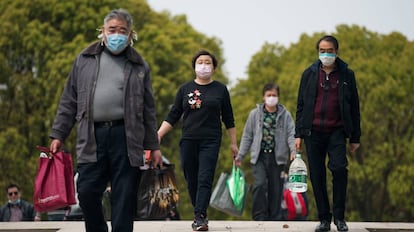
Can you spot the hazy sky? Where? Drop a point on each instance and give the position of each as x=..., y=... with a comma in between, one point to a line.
x=245, y=25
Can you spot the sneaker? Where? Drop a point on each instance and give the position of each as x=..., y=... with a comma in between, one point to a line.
x=324, y=226
x=341, y=225
x=200, y=224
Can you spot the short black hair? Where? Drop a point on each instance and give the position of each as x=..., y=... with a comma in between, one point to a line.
x=12, y=186
x=201, y=53
x=270, y=86
x=328, y=38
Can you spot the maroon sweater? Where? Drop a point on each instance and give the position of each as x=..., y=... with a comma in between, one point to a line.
x=326, y=115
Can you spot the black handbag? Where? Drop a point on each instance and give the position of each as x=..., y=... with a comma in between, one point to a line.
x=158, y=194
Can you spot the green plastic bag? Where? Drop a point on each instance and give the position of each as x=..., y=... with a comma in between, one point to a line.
x=236, y=184
x=221, y=199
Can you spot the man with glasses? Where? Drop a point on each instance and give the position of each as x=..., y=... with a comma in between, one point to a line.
x=327, y=115
x=16, y=209
x=109, y=95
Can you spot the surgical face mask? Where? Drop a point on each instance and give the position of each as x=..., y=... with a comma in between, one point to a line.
x=204, y=71
x=116, y=43
x=271, y=101
x=327, y=59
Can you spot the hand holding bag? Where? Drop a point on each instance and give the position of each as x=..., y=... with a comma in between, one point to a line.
x=221, y=198
x=236, y=185
x=54, y=187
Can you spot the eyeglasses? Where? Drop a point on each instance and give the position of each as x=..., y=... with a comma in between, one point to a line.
x=11, y=193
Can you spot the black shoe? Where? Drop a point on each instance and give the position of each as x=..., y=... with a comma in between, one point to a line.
x=199, y=227
x=341, y=225
x=323, y=227
x=200, y=224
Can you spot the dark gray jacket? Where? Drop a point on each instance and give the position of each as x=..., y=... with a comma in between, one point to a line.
x=27, y=211
x=253, y=133
x=76, y=105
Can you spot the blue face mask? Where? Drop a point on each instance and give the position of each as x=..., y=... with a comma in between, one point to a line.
x=116, y=43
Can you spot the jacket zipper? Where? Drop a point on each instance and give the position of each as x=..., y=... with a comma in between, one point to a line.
x=324, y=100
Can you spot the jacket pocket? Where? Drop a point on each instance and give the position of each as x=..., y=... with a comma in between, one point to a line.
x=80, y=115
x=81, y=104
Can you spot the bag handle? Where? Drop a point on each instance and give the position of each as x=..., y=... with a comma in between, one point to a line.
x=49, y=152
x=44, y=152
x=43, y=149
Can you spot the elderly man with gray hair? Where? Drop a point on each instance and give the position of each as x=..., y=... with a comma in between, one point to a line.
x=109, y=95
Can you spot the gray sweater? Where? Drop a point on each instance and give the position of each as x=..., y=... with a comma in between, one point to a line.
x=253, y=132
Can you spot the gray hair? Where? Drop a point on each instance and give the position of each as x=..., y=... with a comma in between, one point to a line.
x=120, y=14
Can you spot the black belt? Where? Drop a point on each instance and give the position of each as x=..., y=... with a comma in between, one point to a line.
x=267, y=151
x=110, y=123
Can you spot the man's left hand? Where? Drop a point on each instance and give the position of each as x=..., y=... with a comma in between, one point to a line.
x=353, y=147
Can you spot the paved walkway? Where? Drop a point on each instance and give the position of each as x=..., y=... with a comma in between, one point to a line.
x=227, y=226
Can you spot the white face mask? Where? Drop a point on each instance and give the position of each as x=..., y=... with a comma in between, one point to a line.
x=327, y=59
x=271, y=101
x=203, y=71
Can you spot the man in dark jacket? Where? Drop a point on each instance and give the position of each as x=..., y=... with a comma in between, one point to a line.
x=327, y=114
x=16, y=209
x=109, y=95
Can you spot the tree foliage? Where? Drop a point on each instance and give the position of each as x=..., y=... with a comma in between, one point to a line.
x=40, y=39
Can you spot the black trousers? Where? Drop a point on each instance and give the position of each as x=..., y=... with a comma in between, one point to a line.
x=333, y=144
x=199, y=160
x=267, y=188
x=112, y=167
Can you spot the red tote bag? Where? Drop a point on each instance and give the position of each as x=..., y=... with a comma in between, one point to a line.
x=54, y=186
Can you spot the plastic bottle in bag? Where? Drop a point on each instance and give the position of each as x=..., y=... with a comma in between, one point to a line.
x=298, y=175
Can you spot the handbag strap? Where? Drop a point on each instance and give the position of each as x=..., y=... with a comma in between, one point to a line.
x=43, y=149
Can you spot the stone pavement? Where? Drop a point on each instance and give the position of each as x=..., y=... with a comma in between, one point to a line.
x=215, y=225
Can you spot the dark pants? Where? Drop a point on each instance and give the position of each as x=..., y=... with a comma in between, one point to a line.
x=199, y=159
x=112, y=166
x=319, y=144
x=267, y=188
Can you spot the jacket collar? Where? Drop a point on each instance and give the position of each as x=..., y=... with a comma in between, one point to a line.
x=97, y=48
x=280, y=108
